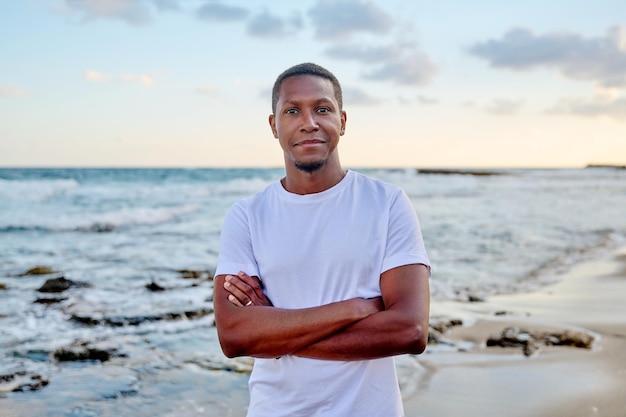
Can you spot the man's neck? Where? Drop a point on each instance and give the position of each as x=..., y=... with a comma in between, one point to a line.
x=300, y=182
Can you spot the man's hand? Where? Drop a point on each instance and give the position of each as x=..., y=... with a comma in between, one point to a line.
x=245, y=290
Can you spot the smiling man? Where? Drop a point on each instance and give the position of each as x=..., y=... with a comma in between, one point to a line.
x=323, y=276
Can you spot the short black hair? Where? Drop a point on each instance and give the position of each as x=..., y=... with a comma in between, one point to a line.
x=307, y=68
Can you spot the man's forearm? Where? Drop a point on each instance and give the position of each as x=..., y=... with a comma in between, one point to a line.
x=266, y=332
x=379, y=335
x=401, y=328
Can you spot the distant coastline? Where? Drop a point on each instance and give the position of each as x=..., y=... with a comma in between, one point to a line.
x=606, y=166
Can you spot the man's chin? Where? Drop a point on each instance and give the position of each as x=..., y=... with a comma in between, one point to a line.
x=310, y=167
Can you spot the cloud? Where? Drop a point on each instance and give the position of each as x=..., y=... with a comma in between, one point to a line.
x=144, y=79
x=218, y=12
x=270, y=26
x=357, y=97
x=600, y=59
x=504, y=107
x=614, y=108
x=134, y=12
x=96, y=76
x=10, y=90
x=364, y=53
x=334, y=18
x=415, y=69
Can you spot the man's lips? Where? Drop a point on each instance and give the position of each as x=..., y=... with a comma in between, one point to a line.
x=310, y=142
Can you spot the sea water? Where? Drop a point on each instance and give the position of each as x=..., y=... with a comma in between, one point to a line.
x=118, y=230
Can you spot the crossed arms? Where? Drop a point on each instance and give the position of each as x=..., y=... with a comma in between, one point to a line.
x=354, y=329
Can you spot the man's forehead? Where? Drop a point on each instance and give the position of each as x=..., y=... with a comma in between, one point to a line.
x=299, y=87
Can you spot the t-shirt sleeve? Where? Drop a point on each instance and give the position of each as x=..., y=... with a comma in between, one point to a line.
x=235, y=251
x=405, y=244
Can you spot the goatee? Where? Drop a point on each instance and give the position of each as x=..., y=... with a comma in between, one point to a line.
x=310, y=167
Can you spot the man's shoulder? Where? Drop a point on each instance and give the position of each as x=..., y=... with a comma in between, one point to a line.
x=375, y=185
x=259, y=197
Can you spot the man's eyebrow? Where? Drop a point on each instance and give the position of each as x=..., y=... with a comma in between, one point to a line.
x=298, y=102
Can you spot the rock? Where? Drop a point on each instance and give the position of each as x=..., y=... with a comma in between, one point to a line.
x=195, y=274
x=437, y=327
x=38, y=270
x=475, y=298
x=568, y=338
x=153, y=286
x=100, y=228
x=530, y=342
x=60, y=284
x=21, y=381
x=48, y=301
x=83, y=351
x=137, y=320
x=3, y=286
x=442, y=325
x=190, y=273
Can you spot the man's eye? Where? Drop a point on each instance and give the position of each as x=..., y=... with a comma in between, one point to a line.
x=323, y=110
x=291, y=111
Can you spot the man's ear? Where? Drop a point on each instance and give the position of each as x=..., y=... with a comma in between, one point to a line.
x=344, y=119
x=272, y=120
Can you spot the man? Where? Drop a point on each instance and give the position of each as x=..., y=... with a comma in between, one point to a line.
x=322, y=276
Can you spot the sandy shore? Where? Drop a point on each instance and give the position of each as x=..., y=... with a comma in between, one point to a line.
x=555, y=381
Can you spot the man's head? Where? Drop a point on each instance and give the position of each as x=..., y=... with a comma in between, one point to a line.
x=307, y=118
x=307, y=68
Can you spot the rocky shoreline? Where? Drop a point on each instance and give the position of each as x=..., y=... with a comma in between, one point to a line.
x=59, y=291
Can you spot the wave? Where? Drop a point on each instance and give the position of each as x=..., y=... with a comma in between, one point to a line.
x=34, y=190
x=101, y=222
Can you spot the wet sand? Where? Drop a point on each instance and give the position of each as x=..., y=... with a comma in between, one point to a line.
x=555, y=381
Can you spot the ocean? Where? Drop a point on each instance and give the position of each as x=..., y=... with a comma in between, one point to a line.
x=115, y=232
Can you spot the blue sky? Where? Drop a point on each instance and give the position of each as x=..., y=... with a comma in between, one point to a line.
x=187, y=82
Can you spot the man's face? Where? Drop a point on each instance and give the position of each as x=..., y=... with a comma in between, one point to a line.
x=308, y=121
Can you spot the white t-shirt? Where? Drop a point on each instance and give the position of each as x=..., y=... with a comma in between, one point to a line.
x=315, y=249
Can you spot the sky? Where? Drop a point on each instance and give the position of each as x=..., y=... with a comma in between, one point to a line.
x=186, y=83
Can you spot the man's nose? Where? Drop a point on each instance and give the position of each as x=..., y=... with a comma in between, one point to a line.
x=309, y=122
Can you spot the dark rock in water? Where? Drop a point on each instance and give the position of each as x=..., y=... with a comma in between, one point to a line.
x=60, y=284
x=153, y=286
x=21, y=381
x=100, y=228
x=137, y=320
x=195, y=274
x=48, y=301
x=38, y=270
x=190, y=273
x=530, y=341
x=3, y=286
x=83, y=351
x=475, y=298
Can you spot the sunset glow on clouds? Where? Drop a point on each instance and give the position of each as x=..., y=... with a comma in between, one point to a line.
x=187, y=82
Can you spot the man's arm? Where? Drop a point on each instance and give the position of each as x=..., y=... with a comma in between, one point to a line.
x=401, y=328
x=264, y=331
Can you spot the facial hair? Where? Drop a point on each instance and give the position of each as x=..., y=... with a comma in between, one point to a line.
x=310, y=167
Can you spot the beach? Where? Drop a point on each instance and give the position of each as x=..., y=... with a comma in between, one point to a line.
x=555, y=381
x=119, y=320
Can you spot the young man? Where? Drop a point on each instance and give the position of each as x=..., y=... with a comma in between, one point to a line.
x=322, y=276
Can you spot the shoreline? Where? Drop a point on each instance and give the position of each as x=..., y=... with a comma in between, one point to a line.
x=476, y=380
